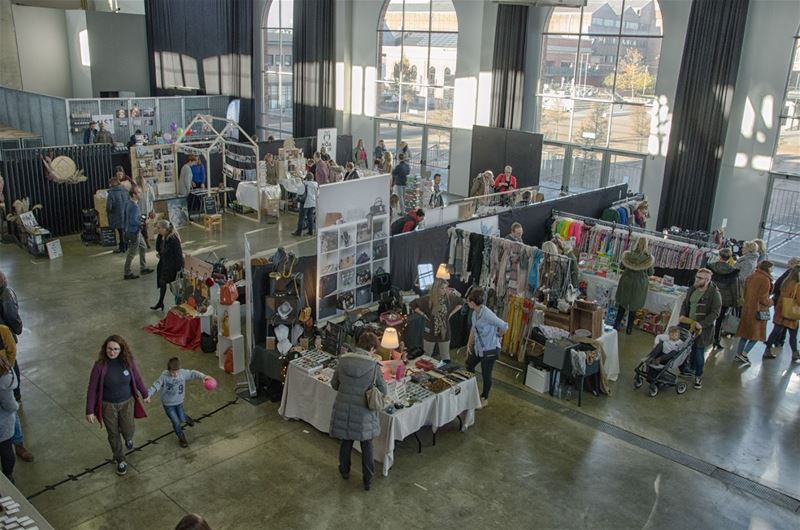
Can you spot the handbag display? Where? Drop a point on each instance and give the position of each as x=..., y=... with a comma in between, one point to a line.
x=790, y=309
x=345, y=301
x=228, y=293
x=373, y=395
x=332, y=218
x=381, y=281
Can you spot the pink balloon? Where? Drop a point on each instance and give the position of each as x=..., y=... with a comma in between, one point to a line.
x=210, y=383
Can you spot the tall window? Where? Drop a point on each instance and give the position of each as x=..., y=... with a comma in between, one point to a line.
x=417, y=49
x=598, y=74
x=787, y=151
x=276, y=39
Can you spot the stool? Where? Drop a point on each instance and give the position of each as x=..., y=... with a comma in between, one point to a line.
x=212, y=220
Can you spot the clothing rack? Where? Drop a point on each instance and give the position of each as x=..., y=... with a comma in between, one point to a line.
x=614, y=226
x=633, y=198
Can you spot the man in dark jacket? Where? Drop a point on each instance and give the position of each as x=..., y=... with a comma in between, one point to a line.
x=726, y=278
x=9, y=316
x=133, y=237
x=116, y=200
x=700, y=309
x=399, y=179
x=90, y=133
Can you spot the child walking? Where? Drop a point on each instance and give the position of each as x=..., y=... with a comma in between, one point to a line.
x=172, y=384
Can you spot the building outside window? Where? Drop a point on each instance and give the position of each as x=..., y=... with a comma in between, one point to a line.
x=276, y=40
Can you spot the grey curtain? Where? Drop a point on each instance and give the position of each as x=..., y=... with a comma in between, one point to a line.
x=508, y=66
x=706, y=84
x=314, y=66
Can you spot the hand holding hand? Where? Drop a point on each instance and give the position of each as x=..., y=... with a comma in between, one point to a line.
x=147, y=399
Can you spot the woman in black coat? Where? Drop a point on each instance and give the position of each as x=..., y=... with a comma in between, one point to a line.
x=170, y=258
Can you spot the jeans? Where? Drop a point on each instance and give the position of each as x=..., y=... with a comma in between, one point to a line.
x=367, y=460
x=487, y=364
x=7, y=459
x=176, y=416
x=135, y=244
x=444, y=349
x=400, y=191
x=745, y=345
x=698, y=359
x=305, y=217
x=118, y=420
x=16, y=439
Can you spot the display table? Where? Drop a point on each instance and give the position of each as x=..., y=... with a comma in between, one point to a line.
x=604, y=290
x=254, y=197
x=17, y=512
x=308, y=399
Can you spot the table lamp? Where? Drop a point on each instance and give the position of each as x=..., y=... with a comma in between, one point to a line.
x=442, y=273
x=390, y=340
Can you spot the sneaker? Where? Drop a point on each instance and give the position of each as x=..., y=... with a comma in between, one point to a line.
x=796, y=357
x=130, y=276
x=129, y=444
x=189, y=421
x=484, y=402
x=146, y=271
x=698, y=383
x=742, y=358
x=122, y=468
x=769, y=354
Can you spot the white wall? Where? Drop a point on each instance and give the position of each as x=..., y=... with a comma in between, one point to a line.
x=118, y=44
x=753, y=126
x=43, y=50
x=9, y=58
x=81, y=76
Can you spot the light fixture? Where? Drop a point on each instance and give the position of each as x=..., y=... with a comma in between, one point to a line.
x=442, y=273
x=390, y=340
x=83, y=43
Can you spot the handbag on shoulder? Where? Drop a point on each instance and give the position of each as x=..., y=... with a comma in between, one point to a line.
x=790, y=309
x=373, y=395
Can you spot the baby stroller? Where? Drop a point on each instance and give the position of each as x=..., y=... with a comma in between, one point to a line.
x=661, y=370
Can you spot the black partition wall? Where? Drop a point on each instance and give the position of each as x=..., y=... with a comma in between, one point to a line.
x=494, y=148
x=431, y=246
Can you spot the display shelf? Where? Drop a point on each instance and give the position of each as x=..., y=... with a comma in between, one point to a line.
x=234, y=314
x=237, y=343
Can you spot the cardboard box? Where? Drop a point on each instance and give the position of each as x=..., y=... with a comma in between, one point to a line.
x=538, y=380
x=100, y=206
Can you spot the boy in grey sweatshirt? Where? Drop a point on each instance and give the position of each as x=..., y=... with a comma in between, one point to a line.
x=172, y=384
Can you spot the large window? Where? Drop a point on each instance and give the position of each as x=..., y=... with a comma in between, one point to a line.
x=787, y=151
x=276, y=41
x=598, y=76
x=417, y=49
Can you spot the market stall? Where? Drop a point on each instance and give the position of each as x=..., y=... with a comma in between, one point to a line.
x=308, y=396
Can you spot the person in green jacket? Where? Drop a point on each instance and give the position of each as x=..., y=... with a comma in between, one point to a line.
x=637, y=266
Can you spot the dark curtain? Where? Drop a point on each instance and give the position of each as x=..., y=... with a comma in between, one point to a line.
x=508, y=66
x=314, y=66
x=702, y=107
x=209, y=39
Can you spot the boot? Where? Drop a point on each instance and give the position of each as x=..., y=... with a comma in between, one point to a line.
x=629, y=329
x=23, y=453
x=619, y=317
x=182, y=441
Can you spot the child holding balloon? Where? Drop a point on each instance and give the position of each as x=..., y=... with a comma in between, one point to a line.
x=172, y=384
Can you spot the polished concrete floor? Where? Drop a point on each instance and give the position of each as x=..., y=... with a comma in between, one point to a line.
x=528, y=462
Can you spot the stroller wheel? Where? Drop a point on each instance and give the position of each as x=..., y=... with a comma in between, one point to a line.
x=653, y=390
x=638, y=381
x=680, y=388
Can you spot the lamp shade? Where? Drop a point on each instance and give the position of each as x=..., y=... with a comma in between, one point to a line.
x=390, y=340
x=442, y=273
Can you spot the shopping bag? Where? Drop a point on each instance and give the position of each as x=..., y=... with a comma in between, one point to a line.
x=730, y=324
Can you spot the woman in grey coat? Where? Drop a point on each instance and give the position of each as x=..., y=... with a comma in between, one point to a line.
x=352, y=419
x=8, y=410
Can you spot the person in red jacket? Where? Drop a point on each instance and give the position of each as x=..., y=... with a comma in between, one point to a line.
x=505, y=181
x=408, y=222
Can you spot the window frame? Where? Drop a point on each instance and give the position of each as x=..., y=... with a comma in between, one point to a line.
x=782, y=115
x=280, y=66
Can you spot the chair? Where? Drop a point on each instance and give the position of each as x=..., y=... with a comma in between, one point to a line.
x=211, y=217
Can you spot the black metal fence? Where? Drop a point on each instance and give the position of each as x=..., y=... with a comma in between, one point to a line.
x=26, y=176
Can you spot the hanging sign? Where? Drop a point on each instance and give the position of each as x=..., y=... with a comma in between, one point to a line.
x=327, y=138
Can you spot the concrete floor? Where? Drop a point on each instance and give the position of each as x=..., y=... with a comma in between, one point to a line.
x=522, y=465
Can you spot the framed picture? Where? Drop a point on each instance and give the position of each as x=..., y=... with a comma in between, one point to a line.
x=178, y=212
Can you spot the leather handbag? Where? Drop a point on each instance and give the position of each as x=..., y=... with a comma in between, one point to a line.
x=378, y=207
x=228, y=293
x=228, y=364
x=331, y=218
x=790, y=309
x=373, y=395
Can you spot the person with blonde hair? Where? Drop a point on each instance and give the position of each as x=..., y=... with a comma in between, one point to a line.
x=170, y=259
x=437, y=307
x=785, y=289
x=637, y=266
x=755, y=312
x=762, y=249
x=747, y=263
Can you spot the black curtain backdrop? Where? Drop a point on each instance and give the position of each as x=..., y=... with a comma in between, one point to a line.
x=201, y=30
x=508, y=66
x=314, y=66
x=702, y=107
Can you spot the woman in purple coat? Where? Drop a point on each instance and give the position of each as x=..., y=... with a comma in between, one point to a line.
x=114, y=394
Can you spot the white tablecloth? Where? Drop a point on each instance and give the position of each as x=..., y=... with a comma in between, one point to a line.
x=247, y=193
x=604, y=291
x=305, y=398
x=610, y=346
